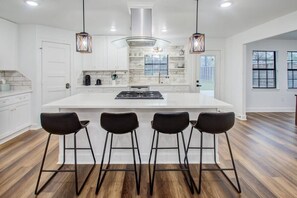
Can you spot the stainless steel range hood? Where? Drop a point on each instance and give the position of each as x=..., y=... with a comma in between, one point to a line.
x=141, y=28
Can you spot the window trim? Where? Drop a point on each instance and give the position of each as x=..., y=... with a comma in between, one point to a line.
x=291, y=61
x=264, y=69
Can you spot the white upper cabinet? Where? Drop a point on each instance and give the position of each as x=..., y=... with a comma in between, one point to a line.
x=123, y=60
x=8, y=47
x=105, y=56
x=112, y=54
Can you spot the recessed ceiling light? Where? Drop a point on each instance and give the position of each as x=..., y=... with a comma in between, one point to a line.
x=32, y=3
x=226, y=4
x=164, y=30
x=113, y=29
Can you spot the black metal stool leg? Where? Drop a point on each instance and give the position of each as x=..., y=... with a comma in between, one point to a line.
x=150, y=157
x=75, y=165
x=100, y=181
x=41, y=168
x=233, y=164
x=138, y=151
x=154, y=169
x=87, y=132
x=190, y=181
x=135, y=168
x=55, y=171
x=200, y=170
x=189, y=142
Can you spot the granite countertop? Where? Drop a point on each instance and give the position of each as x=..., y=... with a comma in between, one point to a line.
x=13, y=92
x=107, y=100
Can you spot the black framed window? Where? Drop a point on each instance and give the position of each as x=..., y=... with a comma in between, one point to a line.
x=264, y=69
x=155, y=64
x=292, y=69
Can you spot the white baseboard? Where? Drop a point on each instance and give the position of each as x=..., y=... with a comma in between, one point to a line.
x=241, y=117
x=35, y=126
x=13, y=135
x=270, y=109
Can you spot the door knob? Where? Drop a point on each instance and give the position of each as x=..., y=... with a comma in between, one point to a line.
x=68, y=85
x=198, y=83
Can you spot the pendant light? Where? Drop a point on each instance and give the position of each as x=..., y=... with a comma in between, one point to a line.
x=83, y=39
x=197, y=40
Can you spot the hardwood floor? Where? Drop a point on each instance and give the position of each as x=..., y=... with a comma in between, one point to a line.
x=264, y=147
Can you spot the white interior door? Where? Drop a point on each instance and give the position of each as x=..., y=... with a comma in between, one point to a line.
x=207, y=73
x=55, y=71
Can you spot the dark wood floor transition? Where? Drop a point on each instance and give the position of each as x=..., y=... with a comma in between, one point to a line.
x=264, y=147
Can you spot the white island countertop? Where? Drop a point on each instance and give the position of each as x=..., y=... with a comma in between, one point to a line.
x=107, y=100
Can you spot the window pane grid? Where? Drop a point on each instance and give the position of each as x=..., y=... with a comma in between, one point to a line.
x=264, y=69
x=155, y=64
x=292, y=69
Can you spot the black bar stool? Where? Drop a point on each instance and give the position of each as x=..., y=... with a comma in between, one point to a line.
x=173, y=124
x=117, y=124
x=214, y=123
x=63, y=124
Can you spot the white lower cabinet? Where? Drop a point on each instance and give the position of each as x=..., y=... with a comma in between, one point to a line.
x=15, y=114
x=5, y=121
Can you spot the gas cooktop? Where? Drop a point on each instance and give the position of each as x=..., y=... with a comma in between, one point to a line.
x=139, y=95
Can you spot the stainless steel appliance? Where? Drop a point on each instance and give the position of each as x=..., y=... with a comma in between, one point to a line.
x=139, y=95
x=87, y=80
x=98, y=82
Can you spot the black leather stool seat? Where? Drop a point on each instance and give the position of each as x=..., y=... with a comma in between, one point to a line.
x=84, y=123
x=214, y=122
x=170, y=123
x=62, y=123
x=119, y=123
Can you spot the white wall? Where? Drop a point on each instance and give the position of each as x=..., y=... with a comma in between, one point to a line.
x=30, y=54
x=280, y=99
x=235, y=67
x=27, y=62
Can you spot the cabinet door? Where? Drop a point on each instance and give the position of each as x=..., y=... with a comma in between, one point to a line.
x=8, y=47
x=5, y=121
x=100, y=52
x=123, y=58
x=112, y=54
x=21, y=116
x=87, y=61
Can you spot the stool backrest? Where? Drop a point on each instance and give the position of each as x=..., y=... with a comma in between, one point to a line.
x=215, y=122
x=60, y=123
x=119, y=122
x=171, y=122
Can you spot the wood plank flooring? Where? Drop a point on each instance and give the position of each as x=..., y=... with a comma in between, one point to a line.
x=264, y=147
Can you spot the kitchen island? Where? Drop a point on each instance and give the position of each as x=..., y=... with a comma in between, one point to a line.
x=89, y=106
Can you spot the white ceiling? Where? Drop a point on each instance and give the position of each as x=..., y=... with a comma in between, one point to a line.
x=177, y=15
x=286, y=36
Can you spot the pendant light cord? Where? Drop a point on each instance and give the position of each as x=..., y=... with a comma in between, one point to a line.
x=83, y=15
x=197, y=17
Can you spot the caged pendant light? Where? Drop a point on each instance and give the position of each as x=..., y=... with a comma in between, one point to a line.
x=197, y=40
x=83, y=39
